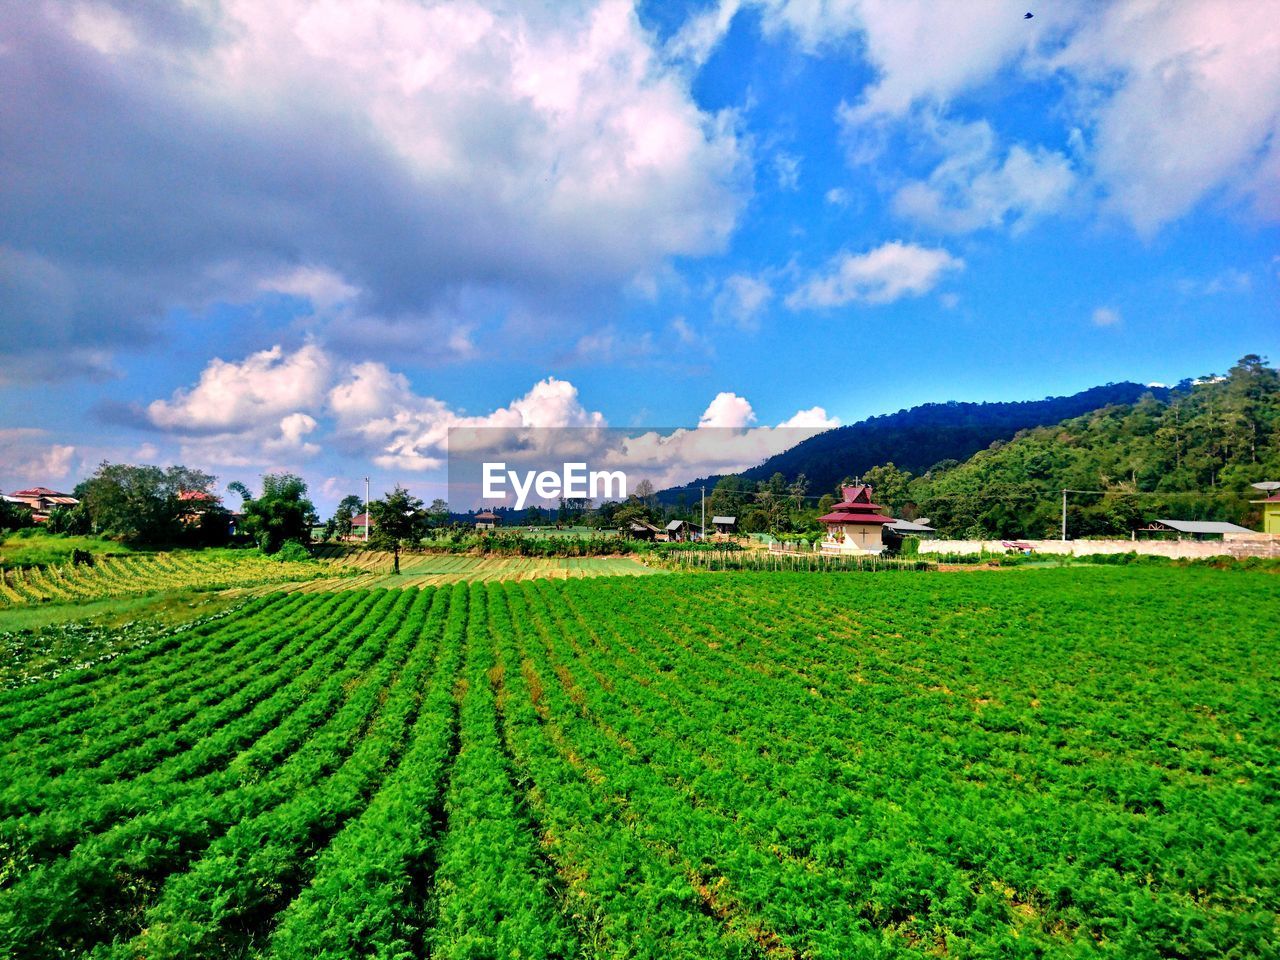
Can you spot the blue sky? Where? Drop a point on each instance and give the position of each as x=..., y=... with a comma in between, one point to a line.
x=313, y=236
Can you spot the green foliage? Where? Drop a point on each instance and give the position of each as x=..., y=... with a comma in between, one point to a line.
x=281, y=513
x=141, y=504
x=292, y=552
x=398, y=521
x=1191, y=456
x=994, y=765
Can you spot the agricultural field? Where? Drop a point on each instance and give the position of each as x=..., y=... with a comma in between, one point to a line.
x=371, y=568
x=1055, y=763
x=132, y=575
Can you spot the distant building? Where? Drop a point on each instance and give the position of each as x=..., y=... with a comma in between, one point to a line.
x=725, y=526
x=358, y=524
x=912, y=528
x=487, y=520
x=680, y=530
x=641, y=530
x=1196, y=529
x=41, y=500
x=854, y=525
x=1270, y=513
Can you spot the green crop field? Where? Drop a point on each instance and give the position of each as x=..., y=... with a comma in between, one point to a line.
x=366, y=569
x=1054, y=763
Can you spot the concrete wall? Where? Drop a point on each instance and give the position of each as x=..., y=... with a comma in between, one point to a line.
x=1232, y=545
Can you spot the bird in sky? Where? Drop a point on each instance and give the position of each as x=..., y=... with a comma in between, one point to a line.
x=1028, y=15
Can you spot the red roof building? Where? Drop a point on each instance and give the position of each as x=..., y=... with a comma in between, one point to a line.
x=854, y=525
x=41, y=500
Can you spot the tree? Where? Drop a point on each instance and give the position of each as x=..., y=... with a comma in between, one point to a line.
x=70, y=520
x=438, y=513
x=348, y=507
x=15, y=516
x=141, y=503
x=798, y=489
x=890, y=486
x=281, y=513
x=398, y=520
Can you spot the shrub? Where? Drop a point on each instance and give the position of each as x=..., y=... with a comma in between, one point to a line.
x=292, y=552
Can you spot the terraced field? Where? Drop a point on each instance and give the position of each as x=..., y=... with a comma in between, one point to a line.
x=370, y=569
x=1065, y=763
x=139, y=574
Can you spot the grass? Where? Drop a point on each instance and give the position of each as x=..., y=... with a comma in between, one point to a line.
x=33, y=547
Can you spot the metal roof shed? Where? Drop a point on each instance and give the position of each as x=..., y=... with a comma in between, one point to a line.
x=1198, y=528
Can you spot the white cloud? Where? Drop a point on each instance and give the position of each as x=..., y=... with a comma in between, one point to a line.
x=920, y=49
x=883, y=275
x=728, y=410
x=233, y=396
x=377, y=411
x=1183, y=99
x=389, y=156
x=324, y=288
x=973, y=189
x=838, y=197
x=1106, y=317
x=786, y=167
x=247, y=412
x=741, y=300
x=27, y=458
x=814, y=417
x=702, y=32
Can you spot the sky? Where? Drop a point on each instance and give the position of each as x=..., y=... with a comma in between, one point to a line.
x=313, y=235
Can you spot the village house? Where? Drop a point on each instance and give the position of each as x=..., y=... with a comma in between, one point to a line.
x=358, y=524
x=642, y=530
x=1270, y=513
x=1194, y=529
x=41, y=500
x=725, y=526
x=854, y=525
x=487, y=520
x=680, y=530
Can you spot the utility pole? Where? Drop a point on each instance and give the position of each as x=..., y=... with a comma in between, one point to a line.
x=1064, y=516
x=704, y=513
x=366, y=511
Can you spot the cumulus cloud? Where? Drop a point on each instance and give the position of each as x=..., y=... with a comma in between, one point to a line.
x=380, y=414
x=1188, y=102
x=28, y=457
x=813, y=418
x=231, y=395
x=728, y=410
x=973, y=188
x=1177, y=101
x=883, y=275
x=389, y=153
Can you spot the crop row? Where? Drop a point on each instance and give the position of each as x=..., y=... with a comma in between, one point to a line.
x=123, y=576
x=1056, y=763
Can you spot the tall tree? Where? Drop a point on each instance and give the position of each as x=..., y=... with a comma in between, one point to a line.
x=348, y=507
x=141, y=503
x=282, y=513
x=398, y=521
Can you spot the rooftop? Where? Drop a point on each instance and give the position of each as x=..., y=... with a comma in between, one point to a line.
x=1204, y=526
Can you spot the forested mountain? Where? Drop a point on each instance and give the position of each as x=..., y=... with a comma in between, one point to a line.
x=1189, y=454
x=918, y=438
